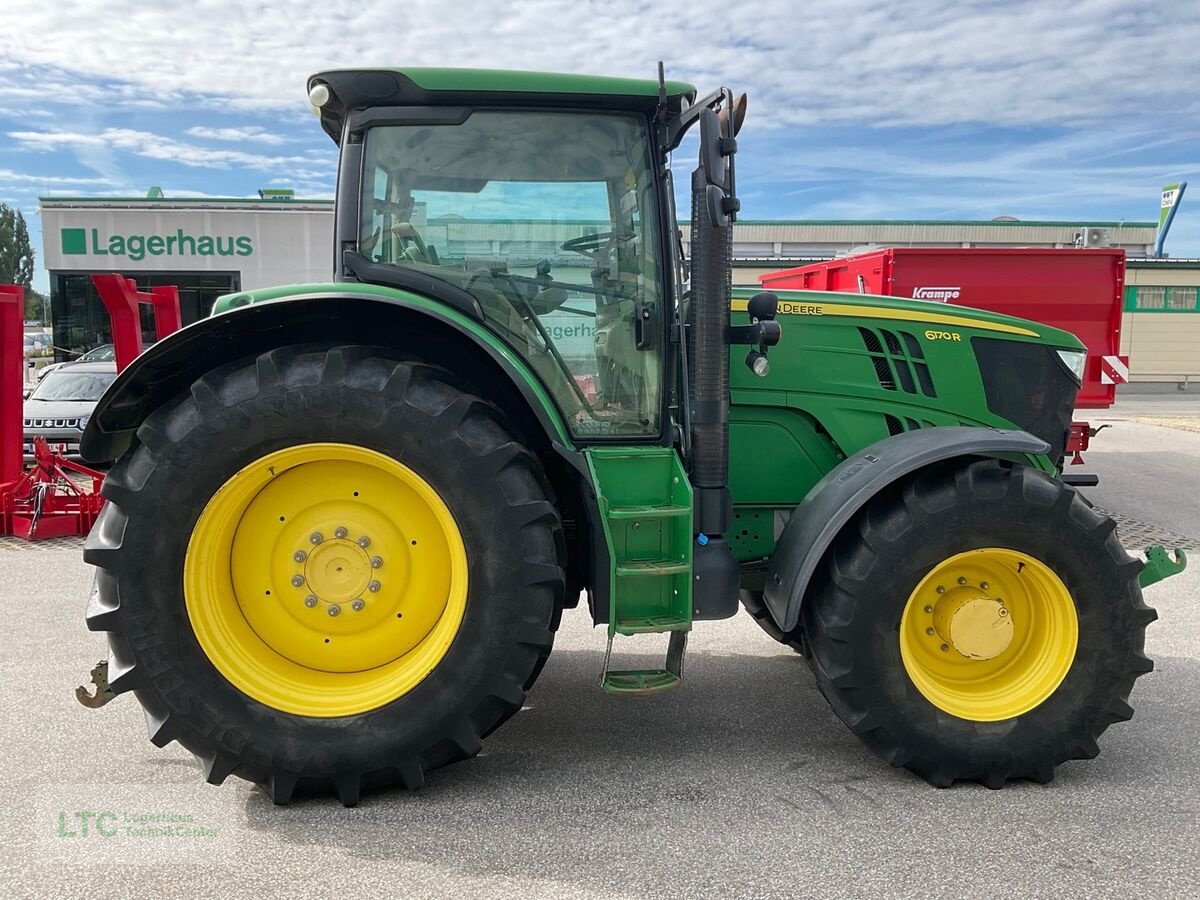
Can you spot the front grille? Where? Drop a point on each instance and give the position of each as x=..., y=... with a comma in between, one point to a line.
x=898, y=360
x=1029, y=386
x=52, y=423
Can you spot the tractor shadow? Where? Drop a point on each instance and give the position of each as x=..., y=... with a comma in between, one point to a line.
x=587, y=790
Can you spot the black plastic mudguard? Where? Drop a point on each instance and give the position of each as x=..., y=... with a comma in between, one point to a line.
x=845, y=490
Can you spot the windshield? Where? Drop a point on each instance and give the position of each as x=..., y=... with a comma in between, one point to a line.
x=63, y=384
x=549, y=220
x=103, y=353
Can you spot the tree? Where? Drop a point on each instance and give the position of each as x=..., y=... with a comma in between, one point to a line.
x=16, y=256
x=36, y=304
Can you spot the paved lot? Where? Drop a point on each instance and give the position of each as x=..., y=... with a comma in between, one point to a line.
x=741, y=784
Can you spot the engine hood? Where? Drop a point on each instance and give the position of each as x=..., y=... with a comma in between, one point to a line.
x=932, y=315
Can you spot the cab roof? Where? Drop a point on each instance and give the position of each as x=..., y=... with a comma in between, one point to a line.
x=363, y=88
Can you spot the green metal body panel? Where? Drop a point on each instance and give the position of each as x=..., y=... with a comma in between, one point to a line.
x=823, y=398
x=230, y=303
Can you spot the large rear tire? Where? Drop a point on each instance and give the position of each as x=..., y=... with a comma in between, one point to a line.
x=326, y=568
x=979, y=622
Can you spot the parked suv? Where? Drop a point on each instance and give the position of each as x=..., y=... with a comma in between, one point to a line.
x=59, y=407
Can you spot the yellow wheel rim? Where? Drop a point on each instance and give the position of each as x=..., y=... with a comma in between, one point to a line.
x=989, y=634
x=325, y=579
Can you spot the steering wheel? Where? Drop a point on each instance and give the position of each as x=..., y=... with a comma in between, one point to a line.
x=589, y=243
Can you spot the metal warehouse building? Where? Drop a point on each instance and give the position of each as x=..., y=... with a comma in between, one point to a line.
x=208, y=247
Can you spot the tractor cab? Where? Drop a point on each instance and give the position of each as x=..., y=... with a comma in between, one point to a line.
x=541, y=212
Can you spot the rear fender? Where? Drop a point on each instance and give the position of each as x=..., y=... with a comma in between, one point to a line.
x=846, y=489
x=411, y=323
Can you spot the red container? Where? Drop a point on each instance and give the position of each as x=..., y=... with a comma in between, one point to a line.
x=1079, y=291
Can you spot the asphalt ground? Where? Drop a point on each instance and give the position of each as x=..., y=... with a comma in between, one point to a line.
x=741, y=784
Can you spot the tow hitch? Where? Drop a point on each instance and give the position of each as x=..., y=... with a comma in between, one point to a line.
x=1159, y=565
x=103, y=692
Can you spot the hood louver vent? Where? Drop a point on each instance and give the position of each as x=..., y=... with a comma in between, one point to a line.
x=898, y=360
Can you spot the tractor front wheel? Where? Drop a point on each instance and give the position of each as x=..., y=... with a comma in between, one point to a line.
x=326, y=568
x=979, y=622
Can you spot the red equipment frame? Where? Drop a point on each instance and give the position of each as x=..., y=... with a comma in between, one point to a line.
x=46, y=501
x=12, y=362
x=122, y=300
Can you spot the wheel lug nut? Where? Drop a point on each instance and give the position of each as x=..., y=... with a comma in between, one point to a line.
x=334, y=609
x=928, y=608
x=357, y=605
x=929, y=631
x=364, y=542
x=340, y=532
x=316, y=537
x=374, y=587
x=940, y=589
x=983, y=585
x=297, y=580
x=962, y=581
x=299, y=556
x=945, y=647
x=310, y=601
x=376, y=562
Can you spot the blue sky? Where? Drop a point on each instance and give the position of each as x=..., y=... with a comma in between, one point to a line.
x=858, y=108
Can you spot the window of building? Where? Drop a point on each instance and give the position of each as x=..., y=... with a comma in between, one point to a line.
x=80, y=321
x=1150, y=297
x=1181, y=298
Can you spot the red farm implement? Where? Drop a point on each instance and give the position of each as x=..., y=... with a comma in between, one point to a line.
x=58, y=497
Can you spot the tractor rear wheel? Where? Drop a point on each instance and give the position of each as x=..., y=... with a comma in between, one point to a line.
x=326, y=568
x=979, y=622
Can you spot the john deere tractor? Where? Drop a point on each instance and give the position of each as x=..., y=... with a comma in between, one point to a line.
x=344, y=519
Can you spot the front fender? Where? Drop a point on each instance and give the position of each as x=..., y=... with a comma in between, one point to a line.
x=398, y=320
x=846, y=489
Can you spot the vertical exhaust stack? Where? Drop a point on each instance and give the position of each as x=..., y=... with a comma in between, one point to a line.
x=708, y=354
x=713, y=209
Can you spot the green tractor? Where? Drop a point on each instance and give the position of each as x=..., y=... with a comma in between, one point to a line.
x=344, y=519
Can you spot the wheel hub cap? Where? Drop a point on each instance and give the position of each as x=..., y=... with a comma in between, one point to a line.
x=338, y=571
x=973, y=624
x=989, y=634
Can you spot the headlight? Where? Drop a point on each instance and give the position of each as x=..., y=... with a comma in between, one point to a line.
x=83, y=420
x=1075, y=361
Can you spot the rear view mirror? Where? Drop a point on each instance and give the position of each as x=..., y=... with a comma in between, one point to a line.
x=716, y=166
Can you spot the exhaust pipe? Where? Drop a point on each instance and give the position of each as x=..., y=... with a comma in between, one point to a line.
x=715, y=586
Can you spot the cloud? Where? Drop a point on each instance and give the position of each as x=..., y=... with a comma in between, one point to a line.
x=250, y=133
x=868, y=61
x=156, y=146
x=9, y=177
x=858, y=108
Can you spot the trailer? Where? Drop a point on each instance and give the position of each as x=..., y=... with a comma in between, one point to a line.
x=1079, y=291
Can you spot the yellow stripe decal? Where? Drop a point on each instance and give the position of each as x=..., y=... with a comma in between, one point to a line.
x=794, y=308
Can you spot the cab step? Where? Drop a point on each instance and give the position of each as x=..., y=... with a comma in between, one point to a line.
x=646, y=507
x=647, y=681
x=665, y=511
